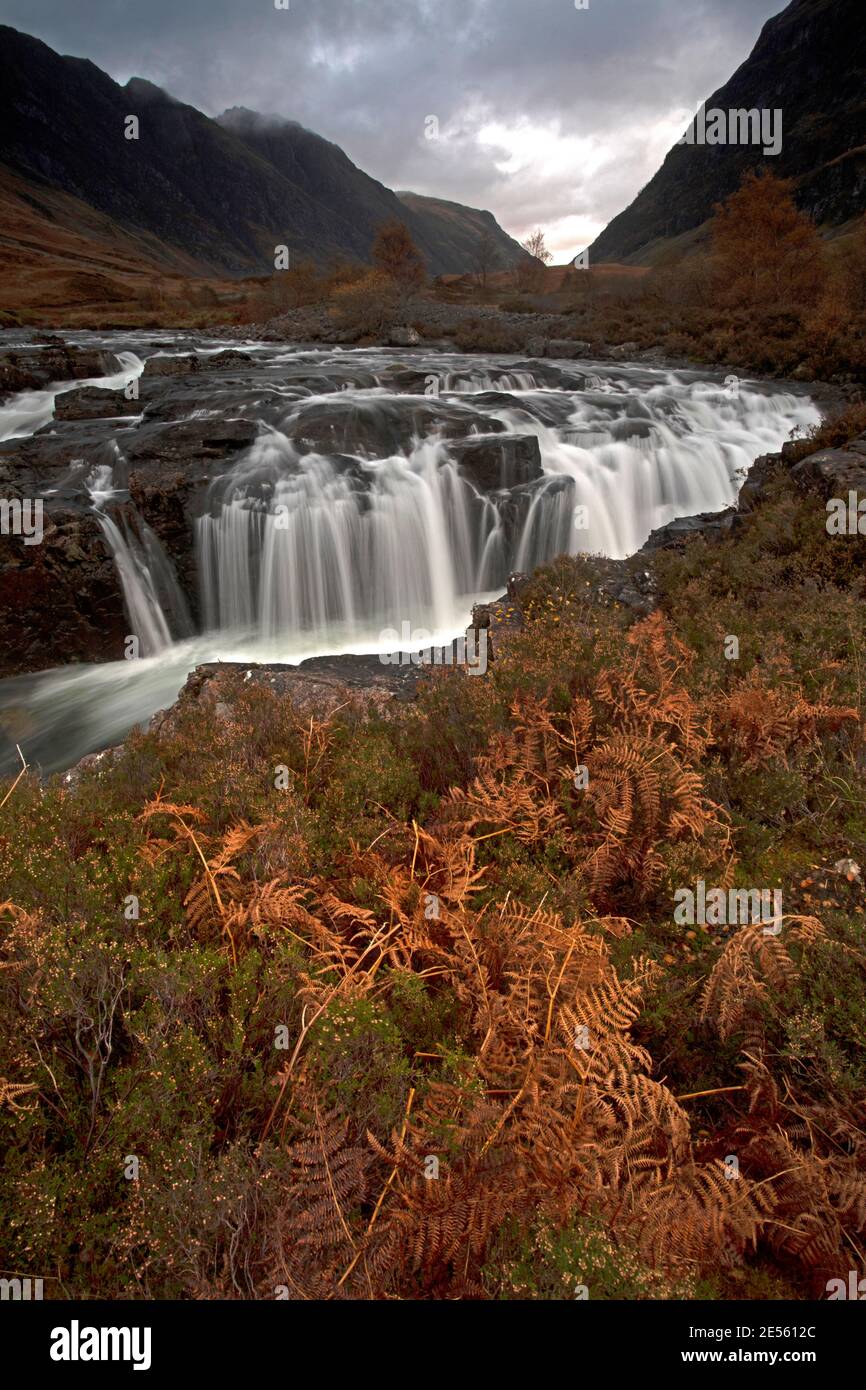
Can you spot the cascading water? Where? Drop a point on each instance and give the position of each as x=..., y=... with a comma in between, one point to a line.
x=300, y=547
x=151, y=592
x=313, y=544
x=309, y=546
x=28, y=411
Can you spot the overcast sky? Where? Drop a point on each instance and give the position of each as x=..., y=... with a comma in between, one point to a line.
x=547, y=114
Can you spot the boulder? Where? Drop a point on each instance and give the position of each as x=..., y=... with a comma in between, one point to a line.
x=622, y=350
x=318, y=687
x=567, y=348
x=834, y=472
x=93, y=403
x=224, y=361
x=183, y=365
x=404, y=337
x=711, y=525
x=32, y=367
x=505, y=461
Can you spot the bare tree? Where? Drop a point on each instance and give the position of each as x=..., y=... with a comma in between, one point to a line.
x=537, y=247
x=530, y=274
x=395, y=254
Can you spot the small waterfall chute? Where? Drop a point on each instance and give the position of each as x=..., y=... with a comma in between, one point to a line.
x=151, y=593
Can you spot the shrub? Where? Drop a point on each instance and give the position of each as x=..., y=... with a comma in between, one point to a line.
x=367, y=307
x=488, y=335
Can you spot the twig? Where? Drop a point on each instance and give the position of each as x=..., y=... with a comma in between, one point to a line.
x=719, y=1090
x=17, y=779
x=383, y=1194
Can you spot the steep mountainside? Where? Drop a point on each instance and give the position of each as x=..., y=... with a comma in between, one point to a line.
x=809, y=62
x=58, y=253
x=221, y=193
x=450, y=227
x=185, y=180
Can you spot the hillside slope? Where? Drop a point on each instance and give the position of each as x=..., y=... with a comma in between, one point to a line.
x=447, y=233
x=809, y=62
x=452, y=227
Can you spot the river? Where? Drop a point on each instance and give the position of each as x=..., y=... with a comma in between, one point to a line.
x=377, y=487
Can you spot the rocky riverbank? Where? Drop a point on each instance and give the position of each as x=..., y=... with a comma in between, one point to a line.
x=483, y=328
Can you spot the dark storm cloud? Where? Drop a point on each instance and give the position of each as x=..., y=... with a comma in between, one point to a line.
x=547, y=113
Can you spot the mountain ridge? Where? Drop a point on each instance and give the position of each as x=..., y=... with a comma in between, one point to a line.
x=223, y=192
x=809, y=61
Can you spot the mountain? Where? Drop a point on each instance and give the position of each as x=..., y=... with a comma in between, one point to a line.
x=809, y=62
x=448, y=233
x=451, y=227
x=220, y=194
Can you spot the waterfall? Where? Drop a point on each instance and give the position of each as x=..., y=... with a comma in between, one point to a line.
x=310, y=548
x=28, y=411
x=143, y=608
x=150, y=589
x=296, y=546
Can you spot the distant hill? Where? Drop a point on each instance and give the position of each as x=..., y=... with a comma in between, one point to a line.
x=451, y=228
x=216, y=195
x=809, y=62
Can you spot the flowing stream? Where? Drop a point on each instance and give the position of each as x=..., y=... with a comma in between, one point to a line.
x=365, y=502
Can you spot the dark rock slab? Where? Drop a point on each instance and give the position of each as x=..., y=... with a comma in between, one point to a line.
x=381, y=427
x=226, y=360
x=710, y=525
x=834, y=472
x=161, y=444
x=567, y=348
x=506, y=461
x=31, y=368
x=60, y=601
x=318, y=687
x=184, y=365
x=93, y=403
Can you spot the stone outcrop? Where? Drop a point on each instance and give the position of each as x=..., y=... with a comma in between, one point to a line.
x=60, y=600
x=564, y=348
x=318, y=687
x=93, y=403
x=404, y=337
x=32, y=367
x=503, y=462
x=834, y=472
x=377, y=429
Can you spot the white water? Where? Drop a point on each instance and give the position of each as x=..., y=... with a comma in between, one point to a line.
x=29, y=411
x=297, y=544
x=303, y=554
x=296, y=547
x=145, y=572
